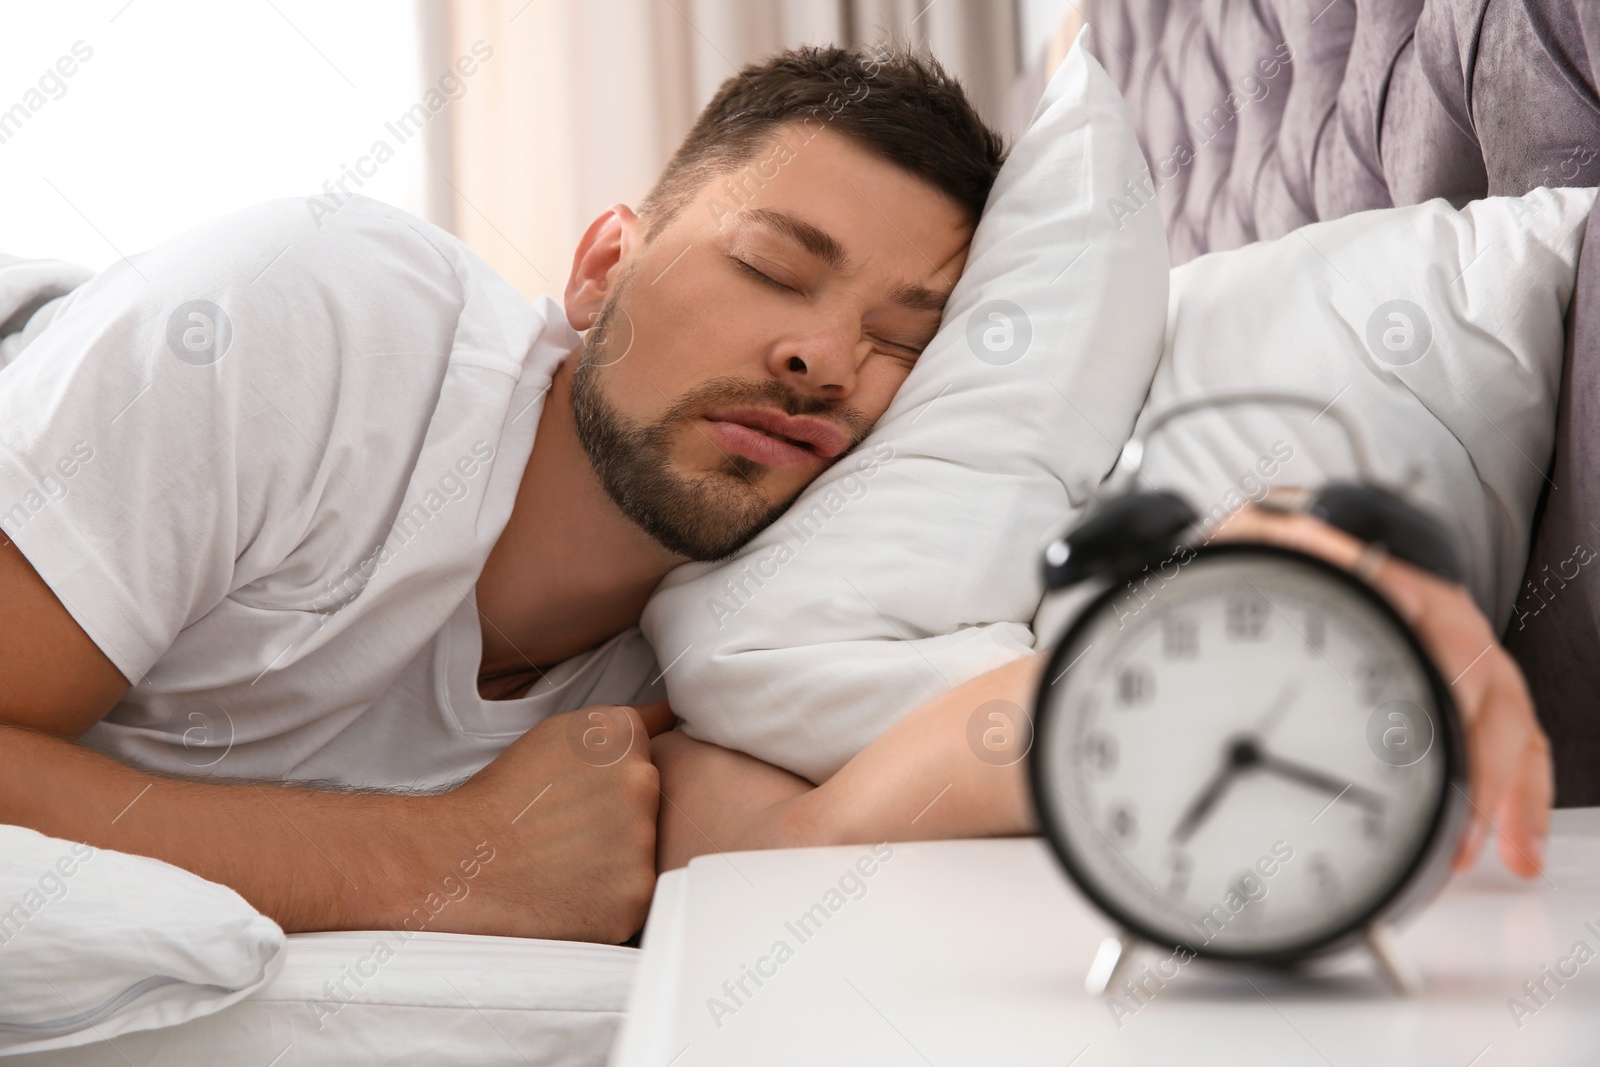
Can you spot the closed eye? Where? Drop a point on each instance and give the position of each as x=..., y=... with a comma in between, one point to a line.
x=760, y=276
x=900, y=347
x=911, y=350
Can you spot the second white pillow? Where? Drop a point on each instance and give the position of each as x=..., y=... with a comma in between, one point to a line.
x=1438, y=333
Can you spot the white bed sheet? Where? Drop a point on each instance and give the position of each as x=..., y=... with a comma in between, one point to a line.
x=440, y=998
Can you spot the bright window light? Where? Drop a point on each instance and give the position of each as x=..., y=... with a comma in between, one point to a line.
x=126, y=123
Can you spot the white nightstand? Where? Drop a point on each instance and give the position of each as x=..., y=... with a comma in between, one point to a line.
x=974, y=952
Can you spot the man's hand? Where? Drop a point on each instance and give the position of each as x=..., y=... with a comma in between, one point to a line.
x=570, y=812
x=1507, y=752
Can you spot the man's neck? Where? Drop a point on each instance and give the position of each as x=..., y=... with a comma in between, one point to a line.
x=569, y=570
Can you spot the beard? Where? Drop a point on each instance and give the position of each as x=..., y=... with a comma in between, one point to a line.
x=707, y=517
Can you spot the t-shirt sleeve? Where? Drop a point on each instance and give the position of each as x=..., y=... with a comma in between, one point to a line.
x=159, y=440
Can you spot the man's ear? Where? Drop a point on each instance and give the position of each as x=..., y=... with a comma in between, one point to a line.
x=598, y=263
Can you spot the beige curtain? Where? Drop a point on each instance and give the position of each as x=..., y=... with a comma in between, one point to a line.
x=582, y=101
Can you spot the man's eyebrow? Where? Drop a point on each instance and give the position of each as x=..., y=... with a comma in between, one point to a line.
x=821, y=244
x=919, y=297
x=816, y=241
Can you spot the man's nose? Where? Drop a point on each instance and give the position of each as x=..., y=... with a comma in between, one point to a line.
x=822, y=363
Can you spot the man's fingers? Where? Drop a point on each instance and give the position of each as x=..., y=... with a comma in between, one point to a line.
x=1498, y=738
x=656, y=716
x=1525, y=817
x=1292, y=531
x=604, y=735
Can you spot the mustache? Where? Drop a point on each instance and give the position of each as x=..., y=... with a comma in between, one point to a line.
x=725, y=391
x=733, y=392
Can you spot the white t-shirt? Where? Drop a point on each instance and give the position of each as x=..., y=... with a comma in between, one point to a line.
x=271, y=517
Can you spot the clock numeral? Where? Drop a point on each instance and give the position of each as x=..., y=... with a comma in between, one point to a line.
x=1179, y=867
x=1316, y=631
x=1180, y=637
x=1324, y=879
x=1375, y=677
x=1247, y=616
x=1100, y=753
x=1124, y=825
x=1135, y=685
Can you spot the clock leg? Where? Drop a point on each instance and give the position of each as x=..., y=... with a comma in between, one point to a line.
x=1393, y=965
x=1111, y=962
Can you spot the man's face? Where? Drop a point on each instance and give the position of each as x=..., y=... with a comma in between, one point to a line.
x=760, y=335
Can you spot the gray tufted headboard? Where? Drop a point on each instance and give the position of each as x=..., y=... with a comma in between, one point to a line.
x=1258, y=116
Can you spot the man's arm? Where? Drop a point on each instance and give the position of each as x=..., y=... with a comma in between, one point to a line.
x=918, y=781
x=921, y=780
x=578, y=864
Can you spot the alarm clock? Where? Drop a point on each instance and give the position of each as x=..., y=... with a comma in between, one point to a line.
x=1242, y=751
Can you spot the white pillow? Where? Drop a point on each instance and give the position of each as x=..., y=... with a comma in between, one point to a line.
x=913, y=564
x=96, y=943
x=1438, y=332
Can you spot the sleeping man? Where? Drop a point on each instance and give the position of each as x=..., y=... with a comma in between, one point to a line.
x=327, y=551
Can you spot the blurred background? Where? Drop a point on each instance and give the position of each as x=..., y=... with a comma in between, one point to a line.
x=511, y=123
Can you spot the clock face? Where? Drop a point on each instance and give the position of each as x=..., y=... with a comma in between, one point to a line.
x=1249, y=757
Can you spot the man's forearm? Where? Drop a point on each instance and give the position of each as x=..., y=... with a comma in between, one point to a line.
x=934, y=774
x=925, y=777
x=309, y=860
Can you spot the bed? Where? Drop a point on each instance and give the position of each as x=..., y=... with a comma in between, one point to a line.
x=441, y=998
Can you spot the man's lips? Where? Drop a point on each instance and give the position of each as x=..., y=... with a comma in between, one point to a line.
x=772, y=438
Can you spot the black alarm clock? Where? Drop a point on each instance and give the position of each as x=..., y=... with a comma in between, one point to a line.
x=1242, y=751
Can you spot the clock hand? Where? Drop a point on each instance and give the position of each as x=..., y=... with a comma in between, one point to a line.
x=1276, y=711
x=1241, y=754
x=1315, y=779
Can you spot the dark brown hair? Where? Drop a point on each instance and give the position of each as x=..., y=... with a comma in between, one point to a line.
x=902, y=105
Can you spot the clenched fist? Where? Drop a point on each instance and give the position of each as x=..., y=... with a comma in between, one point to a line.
x=568, y=813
